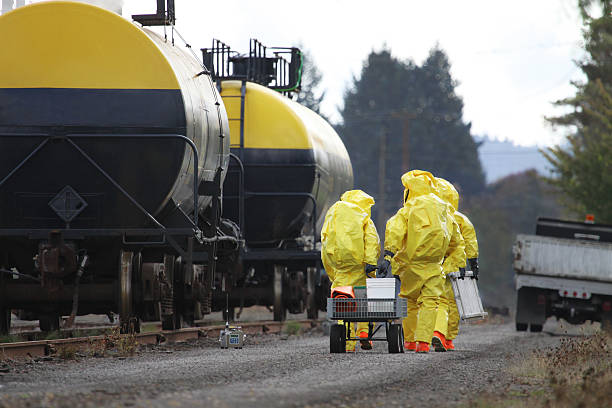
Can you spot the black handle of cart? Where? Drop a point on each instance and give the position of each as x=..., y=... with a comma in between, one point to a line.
x=352, y=311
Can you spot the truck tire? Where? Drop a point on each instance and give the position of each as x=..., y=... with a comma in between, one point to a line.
x=530, y=307
x=535, y=328
x=521, y=326
x=606, y=320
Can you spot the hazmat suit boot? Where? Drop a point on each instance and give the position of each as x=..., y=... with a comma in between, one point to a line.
x=410, y=345
x=438, y=341
x=365, y=344
x=422, y=347
x=449, y=345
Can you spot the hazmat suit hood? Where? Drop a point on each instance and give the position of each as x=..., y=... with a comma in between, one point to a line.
x=447, y=192
x=360, y=198
x=417, y=183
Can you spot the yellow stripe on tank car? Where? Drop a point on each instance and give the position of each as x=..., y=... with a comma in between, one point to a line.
x=271, y=120
x=74, y=45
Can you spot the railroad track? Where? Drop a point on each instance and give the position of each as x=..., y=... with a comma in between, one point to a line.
x=41, y=348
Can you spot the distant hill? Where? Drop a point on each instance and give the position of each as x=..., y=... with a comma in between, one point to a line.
x=500, y=159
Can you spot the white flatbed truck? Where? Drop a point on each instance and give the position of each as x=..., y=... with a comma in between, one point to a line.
x=564, y=270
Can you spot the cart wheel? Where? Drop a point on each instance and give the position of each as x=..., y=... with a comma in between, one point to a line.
x=395, y=338
x=337, y=339
x=521, y=326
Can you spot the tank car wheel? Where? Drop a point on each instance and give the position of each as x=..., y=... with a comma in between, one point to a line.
x=167, y=323
x=337, y=339
x=395, y=338
x=280, y=311
x=126, y=299
x=49, y=322
x=5, y=321
x=311, y=300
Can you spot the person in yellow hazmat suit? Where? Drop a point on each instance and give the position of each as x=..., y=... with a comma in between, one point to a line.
x=417, y=238
x=447, y=321
x=350, y=248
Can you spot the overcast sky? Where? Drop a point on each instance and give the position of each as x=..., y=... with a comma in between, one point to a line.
x=511, y=58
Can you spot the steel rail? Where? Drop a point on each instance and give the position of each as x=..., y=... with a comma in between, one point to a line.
x=41, y=348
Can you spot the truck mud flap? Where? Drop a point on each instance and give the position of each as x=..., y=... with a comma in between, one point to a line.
x=531, y=308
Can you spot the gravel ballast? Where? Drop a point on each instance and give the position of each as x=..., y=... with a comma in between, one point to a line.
x=274, y=370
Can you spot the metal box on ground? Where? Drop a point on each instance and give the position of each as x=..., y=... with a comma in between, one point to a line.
x=467, y=296
x=231, y=337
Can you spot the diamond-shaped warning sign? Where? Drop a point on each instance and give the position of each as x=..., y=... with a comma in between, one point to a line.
x=67, y=204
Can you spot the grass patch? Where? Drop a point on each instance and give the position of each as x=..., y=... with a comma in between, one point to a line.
x=149, y=328
x=123, y=344
x=10, y=338
x=53, y=335
x=292, y=328
x=576, y=373
x=67, y=352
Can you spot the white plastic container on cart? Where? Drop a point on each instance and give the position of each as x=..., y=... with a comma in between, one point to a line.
x=382, y=288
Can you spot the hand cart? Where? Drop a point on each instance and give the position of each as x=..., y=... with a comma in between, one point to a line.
x=352, y=311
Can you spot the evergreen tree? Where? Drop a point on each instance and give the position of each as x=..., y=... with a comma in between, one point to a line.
x=398, y=116
x=583, y=166
x=443, y=140
x=310, y=95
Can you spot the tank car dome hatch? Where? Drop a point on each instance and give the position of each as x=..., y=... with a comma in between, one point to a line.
x=73, y=68
x=287, y=149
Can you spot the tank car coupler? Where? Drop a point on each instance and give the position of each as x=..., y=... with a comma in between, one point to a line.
x=55, y=261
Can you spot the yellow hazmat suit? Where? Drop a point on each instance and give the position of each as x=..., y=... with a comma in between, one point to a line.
x=418, y=236
x=349, y=242
x=447, y=321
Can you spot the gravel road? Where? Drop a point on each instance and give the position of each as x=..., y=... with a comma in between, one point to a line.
x=275, y=371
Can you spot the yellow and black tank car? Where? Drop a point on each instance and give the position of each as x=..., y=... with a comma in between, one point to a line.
x=295, y=167
x=90, y=107
x=292, y=159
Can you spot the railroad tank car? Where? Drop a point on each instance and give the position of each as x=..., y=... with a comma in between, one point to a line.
x=101, y=121
x=295, y=165
x=287, y=167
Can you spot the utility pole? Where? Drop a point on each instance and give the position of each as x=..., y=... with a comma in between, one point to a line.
x=405, y=116
x=382, y=175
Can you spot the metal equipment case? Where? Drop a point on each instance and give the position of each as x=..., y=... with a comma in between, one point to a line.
x=467, y=296
x=231, y=337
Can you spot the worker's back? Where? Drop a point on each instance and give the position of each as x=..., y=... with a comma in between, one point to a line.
x=344, y=243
